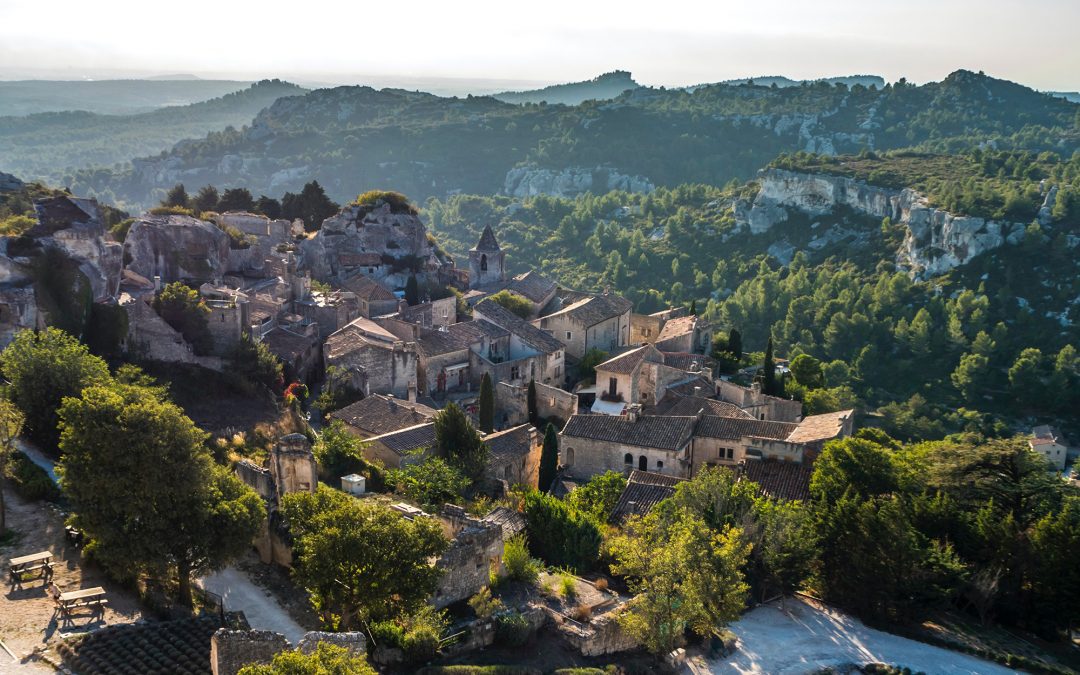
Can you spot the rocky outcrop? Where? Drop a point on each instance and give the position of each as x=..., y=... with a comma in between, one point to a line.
x=9, y=183
x=936, y=241
x=376, y=242
x=529, y=181
x=177, y=248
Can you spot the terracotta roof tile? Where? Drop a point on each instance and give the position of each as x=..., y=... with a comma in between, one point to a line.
x=820, y=427
x=779, y=480
x=643, y=491
x=408, y=440
x=379, y=414
x=734, y=428
x=649, y=431
x=504, y=318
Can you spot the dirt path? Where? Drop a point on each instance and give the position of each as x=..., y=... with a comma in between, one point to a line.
x=259, y=606
x=28, y=623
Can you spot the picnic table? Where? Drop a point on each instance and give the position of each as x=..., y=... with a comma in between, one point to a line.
x=33, y=562
x=86, y=597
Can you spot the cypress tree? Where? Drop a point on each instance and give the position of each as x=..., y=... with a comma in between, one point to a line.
x=768, y=371
x=549, y=458
x=693, y=307
x=734, y=343
x=534, y=416
x=412, y=291
x=487, y=405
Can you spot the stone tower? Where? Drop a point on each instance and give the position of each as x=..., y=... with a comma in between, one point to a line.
x=486, y=260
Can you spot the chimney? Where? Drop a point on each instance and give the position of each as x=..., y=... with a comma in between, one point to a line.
x=412, y=392
x=633, y=411
x=697, y=392
x=755, y=387
x=157, y=283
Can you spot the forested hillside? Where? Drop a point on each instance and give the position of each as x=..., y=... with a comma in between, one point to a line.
x=428, y=146
x=108, y=97
x=45, y=146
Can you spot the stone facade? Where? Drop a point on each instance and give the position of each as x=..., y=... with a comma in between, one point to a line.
x=376, y=361
x=487, y=262
x=475, y=548
x=592, y=322
x=150, y=337
x=757, y=403
x=512, y=403
x=292, y=466
x=231, y=650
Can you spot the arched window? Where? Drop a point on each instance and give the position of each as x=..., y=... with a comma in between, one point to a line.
x=643, y=463
x=659, y=465
x=628, y=459
x=569, y=457
x=483, y=262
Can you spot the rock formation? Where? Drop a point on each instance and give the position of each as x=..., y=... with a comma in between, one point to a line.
x=177, y=248
x=526, y=181
x=936, y=241
x=9, y=183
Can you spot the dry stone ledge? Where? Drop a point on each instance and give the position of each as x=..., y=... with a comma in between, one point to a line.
x=354, y=642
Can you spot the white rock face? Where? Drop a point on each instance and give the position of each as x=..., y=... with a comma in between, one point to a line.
x=936, y=241
x=177, y=248
x=527, y=181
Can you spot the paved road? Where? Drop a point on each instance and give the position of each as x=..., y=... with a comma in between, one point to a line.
x=261, y=609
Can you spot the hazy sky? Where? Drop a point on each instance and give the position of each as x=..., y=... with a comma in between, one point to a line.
x=670, y=42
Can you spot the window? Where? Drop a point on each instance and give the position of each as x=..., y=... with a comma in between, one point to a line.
x=731, y=453
x=569, y=335
x=643, y=463
x=515, y=373
x=613, y=387
x=569, y=457
x=483, y=263
x=628, y=459
x=558, y=371
x=659, y=465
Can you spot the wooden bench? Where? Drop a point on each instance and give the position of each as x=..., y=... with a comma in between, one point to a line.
x=86, y=597
x=34, y=562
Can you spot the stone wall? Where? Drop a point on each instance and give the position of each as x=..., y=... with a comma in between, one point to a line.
x=151, y=338
x=375, y=369
x=231, y=650
x=585, y=458
x=293, y=466
x=512, y=403
x=477, y=546
x=257, y=478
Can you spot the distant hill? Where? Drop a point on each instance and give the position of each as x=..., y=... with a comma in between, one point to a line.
x=1073, y=96
x=45, y=146
x=606, y=86
x=108, y=97
x=781, y=81
x=175, y=77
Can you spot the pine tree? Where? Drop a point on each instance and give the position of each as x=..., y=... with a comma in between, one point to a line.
x=735, y=343
x=530, y=399
x=549, y=458
x=412, y=291
x=457, y=442
x=487, y=404
x=206, y=199
x=693, y=307
x=770, y=384
x=177, y=196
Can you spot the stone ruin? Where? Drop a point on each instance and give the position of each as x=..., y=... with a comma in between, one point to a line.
x=231, y=650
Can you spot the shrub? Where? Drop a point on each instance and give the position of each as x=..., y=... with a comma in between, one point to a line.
x=512, y=629
x=422, y=633
x=171, y=211
x=567, y=587
x=582, y=613
x=560, y=535
x=519, y=565
x=398, y=202
x=31, y=481
x=513, y=302
x=484, y=605
x=601, y=584
x=387, y=634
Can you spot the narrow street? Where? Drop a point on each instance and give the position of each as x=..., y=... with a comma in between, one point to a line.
x=262, y=610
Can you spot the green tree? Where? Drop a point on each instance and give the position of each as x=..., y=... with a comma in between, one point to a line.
x=327, y=659
x=361, y=561
x=177, y=196
x=338, y=452
x=430, y=483
x=412, y=291
x=311, y=206
x=1026, y=377
x=486, y=411
x=530, y=404
x=597, y=498
x=183, y=309
x=549, y=458
x=589, y=362
x=458, y=443
x=11, y=421
x=43, y=368
x=770, y=383
x=513, y=302
x=786, y=548
x=807, y=371
x=267, y=206
x=145, y=490
x=560, y=535
x=734, y=344
x=206, y=199
x=253, y=362
x=970, y=376
x=682, y=574
x=235, y=199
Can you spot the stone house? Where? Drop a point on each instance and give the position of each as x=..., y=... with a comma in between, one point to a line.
x=297, y=347
x=256, y=226
x=376, y=360
x=588, y=321
x=230, y=316
x=685, y=334
x=641, y=375
x=373, y=299
x=430, y=314
x=514, y=455
x=534, y=287
x=444, y=364
x=378, y=414
x=512, y=403
x=592, y=444
x=331, y=311
x=404, y=446
x=1048, y=442
x=529, y=354
x=759, y=404
x=644, y=328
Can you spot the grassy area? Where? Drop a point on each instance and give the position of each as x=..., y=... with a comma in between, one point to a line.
x=996, y=643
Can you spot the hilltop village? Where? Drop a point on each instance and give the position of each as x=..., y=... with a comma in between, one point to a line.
x=534, y=460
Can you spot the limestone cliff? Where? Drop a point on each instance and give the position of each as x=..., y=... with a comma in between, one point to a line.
x=529, y=181
x=935, y=242
x=177, y=248
x=376, y=242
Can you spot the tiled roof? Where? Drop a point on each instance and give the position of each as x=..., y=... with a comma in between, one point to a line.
x=457, y=337
x=734, y=428
x=500, y=316
x=487, y=241
x=820, y=427
x=690, y=405
x=510, y=444
x=643, y=491
x=287, y=345
x=684, y=360
x=676, y=327
x=378, y=414
x=593, y=309
x=625, y=363
x=779, y=480
x=367, y=288
x=532, y=285
x=512, y=522
x=649, y=431
x=489, y=329
x=359, y=333
x=408, y=440
x=687, y=387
